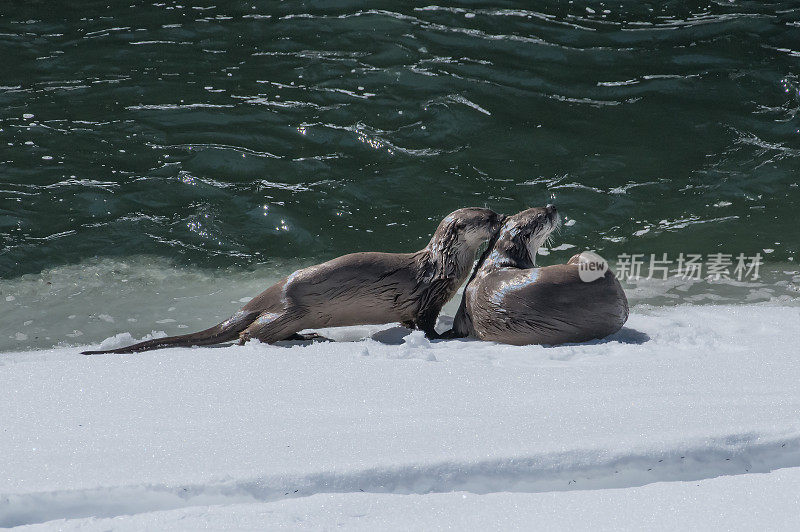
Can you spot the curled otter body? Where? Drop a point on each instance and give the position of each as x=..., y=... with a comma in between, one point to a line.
x=356, y=289
x=511, y=301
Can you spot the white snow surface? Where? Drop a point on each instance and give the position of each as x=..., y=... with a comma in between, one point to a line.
x=687, y=418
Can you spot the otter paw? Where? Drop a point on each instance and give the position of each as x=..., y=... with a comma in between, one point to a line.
x=244, y=337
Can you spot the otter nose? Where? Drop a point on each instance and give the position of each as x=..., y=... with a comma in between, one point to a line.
x=550, y=208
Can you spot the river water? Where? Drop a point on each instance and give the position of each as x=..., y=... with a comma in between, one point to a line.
x=158, y=156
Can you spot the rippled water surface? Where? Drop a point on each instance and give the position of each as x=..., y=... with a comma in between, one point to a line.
x=246, y=136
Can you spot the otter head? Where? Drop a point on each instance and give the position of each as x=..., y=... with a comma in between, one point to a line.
x=522, y=235
x=459, y=236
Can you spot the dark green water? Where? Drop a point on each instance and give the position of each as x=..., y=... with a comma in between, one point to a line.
x=250, y=136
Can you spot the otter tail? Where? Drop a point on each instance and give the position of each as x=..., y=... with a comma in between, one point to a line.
x=223, y=332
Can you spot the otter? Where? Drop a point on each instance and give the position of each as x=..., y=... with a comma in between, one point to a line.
x=355, y=289
x=511, y=301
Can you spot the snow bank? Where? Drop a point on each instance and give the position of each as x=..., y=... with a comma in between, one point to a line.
x=740, y=502
x=680, y=394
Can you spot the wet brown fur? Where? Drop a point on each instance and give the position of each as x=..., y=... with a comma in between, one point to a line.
x=509, y=300
x=356, y=289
